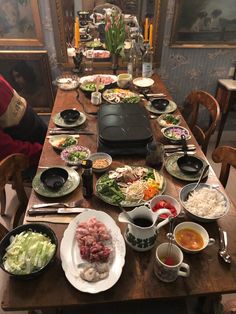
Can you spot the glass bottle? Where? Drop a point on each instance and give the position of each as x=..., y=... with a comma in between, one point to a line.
x=87, y=178
x=131, y=66
x=147, y=62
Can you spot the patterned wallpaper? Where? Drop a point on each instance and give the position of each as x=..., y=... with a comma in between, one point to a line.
x=185, y=69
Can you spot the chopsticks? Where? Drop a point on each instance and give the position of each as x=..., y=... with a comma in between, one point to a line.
x=69, y=131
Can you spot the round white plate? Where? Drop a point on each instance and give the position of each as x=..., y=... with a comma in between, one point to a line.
x=57, y=119
x=70, y=253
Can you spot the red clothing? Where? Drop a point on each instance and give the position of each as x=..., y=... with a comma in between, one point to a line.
x=21, y=130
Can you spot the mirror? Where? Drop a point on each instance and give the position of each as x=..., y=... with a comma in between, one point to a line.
x=63, y=13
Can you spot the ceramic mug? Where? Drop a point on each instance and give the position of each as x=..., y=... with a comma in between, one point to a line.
x=96, y=98
x=170, y=272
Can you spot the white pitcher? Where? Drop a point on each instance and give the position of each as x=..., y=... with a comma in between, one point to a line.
x=142, y=237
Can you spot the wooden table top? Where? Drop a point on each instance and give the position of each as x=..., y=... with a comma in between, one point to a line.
x=209, y=275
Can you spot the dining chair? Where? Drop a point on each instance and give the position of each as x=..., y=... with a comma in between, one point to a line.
x=11, y=173
x=226, y=155
x=193, y=102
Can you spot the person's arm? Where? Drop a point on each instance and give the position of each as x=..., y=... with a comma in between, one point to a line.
x=9, y=146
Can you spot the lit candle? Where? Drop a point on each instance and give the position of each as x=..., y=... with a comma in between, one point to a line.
x=151, y=35
x=77, y=32
x=146, y=29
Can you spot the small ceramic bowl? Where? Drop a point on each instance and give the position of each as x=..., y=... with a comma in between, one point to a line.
x=67, y=82
x=70, y=115
x=168, y=119
x=123, y=80
x=192, y=237
x=74, y=155
x=61, y=141
x=174, y=133
x=54, y=178
x=101, y=162
x=165, y=201
x=143, y=83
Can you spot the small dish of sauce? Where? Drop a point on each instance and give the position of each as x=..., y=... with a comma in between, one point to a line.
x=189, y=239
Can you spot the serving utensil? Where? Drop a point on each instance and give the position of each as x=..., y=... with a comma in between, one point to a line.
x=204, y=171
x=68, y=205
x=127, y=216
x=223, y=246
x=168, y=258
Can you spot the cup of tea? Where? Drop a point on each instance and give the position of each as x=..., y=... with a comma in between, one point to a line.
x=96, y=98
x=169, y=263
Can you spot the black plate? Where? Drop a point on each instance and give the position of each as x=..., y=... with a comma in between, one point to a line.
x=54, y=178
x=70, y=115
x=159, y=103
x=41, y=228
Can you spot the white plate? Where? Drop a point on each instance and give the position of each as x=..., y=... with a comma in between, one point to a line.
x=70, y=254
x=57, y=119
x=92, y=78
x=56, y=139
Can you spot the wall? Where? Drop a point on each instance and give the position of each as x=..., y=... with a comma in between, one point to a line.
x=185, y=69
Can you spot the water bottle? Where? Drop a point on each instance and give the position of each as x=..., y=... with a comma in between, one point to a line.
x=147, y=62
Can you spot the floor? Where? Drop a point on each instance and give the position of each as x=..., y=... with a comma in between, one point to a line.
x=226, y=140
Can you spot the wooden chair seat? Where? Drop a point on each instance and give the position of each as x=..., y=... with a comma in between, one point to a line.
x=11, y=171
x=191, y=113
x=226, y=155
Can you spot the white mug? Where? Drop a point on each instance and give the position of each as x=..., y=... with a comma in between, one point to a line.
x=96, y=98
x=169, y=273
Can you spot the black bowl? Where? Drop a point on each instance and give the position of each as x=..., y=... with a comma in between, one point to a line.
x=54, y=178
x=189, y=164
x=41, y=228
x=70, y=115
x=159, y=103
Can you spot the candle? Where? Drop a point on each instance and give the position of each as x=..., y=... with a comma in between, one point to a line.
x=146, y=30
x=77, y=32
x=151, y=36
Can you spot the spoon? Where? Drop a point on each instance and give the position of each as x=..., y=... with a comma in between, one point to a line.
x=223, y=246
x=204, y=171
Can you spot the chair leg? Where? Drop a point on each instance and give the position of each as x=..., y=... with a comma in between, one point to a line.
x=3, y=201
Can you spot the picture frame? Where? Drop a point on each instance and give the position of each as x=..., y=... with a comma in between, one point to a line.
x=204, y=24
x=28, y=72
x=20, y=23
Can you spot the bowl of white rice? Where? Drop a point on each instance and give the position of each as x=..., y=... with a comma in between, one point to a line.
x=205, y=204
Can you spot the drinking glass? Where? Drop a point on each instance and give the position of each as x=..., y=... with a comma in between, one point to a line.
x=155, y=155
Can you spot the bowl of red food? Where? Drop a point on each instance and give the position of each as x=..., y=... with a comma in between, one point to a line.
x=165, y=201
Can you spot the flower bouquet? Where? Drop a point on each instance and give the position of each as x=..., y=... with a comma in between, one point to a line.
x=115, y=36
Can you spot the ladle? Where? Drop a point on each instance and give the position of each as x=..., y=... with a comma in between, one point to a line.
x=204, y=171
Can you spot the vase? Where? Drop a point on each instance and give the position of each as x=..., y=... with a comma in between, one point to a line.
x=114, y=59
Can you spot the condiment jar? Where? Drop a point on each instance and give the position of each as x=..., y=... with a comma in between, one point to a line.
x=87, y=178
x=155, y=155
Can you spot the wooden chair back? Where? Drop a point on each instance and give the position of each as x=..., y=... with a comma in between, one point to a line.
x=11, y=171
x=194, y=100
x=226, y=155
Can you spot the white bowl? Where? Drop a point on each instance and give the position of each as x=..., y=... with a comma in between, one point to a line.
x=178, y=128
x=166, y=198
x=73, y=149
x=183, y=194
x=143, y=82
x=198, y=229
x=97, y=156
x=55, y=141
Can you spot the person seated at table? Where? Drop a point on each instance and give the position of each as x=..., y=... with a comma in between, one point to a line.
x=21, y=129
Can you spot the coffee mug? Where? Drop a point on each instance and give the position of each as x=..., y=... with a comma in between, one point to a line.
x=96, y=98
x=169, y=271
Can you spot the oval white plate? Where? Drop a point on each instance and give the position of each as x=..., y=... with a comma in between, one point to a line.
x=70, y=254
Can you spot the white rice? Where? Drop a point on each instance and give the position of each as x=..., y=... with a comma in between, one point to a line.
x=207, y=203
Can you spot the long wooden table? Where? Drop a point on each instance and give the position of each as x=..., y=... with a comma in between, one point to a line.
x=209, y=275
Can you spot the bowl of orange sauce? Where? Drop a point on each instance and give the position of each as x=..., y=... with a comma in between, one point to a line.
x=192, y=237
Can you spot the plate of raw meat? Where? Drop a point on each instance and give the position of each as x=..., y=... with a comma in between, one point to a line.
x=92, y=252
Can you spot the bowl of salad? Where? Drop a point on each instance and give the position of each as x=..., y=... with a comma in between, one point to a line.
x=74, y=155
x=168, y=119
x=175, y=133
x=26, y=251
x=62, y=141
x=89, y=87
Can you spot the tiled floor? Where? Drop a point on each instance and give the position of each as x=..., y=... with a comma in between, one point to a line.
x=226, y=140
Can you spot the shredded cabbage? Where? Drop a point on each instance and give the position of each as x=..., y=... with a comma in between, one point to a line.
x=28, y=252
